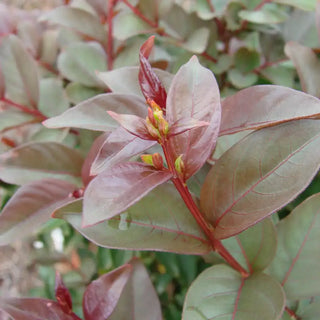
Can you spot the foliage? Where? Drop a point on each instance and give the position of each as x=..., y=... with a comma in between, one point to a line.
x=95, y=131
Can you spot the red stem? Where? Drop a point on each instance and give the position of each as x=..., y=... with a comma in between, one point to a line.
x=292, y=314
x=207, y=229
x=110, y=34
x=210, y=5
x=23, y=108
x=139, y=14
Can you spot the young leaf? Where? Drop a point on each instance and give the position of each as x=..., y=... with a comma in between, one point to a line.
x=263, y=106
x=34, y=309
x=20, y=72
x=259, y=175
x=31, y=206
x=118, y=147
x=221, y=292
x=297, y=261
x=38, y=160
x=62, y=294
x=125, y=80
x=150, y=84
x=117, y=188
x=103, y=294
x=92, y=114
x=166, y=225
x=255, y=247
x=139, y=299
x=194, y=93
x=78, y=20
x=133, y=124
x=307, y=65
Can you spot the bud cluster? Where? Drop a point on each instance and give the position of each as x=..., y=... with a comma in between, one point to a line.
x=154, y=160
x=157, y=125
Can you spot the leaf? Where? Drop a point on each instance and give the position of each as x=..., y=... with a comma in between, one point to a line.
x=52, y=99
x=259, y=175
x=133, y=124
x=255, y=247
x=80, y=61
x=127, y=25
x=118, y=147
x=30, y=207
x=246, y=59
x=297, y=260
x=263, y=106
x=116, y=189
x=307, y=65
x=220, y=292
x=197, y=41
x=92, y=114
x=125, y=80
x=62, y=294
x=102, y=295
x=307, y=5
x=159, y=221
x=38, y=160
x=241, y=80
x=194, y=93
x=267, y=15
x=150, y=84
x=20, y=72
x=77, y=19
x=11, y=118
x=34, y=309
x=139, y=299
x=77, y=92
x=311, y=311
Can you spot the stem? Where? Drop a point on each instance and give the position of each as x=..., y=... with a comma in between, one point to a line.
x=207, y=229
x=210, y=5
x=292, y=314
x=23, y=108
x=139, y=14
x=110, y=34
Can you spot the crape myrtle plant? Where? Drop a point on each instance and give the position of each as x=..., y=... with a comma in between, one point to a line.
x=176, y=168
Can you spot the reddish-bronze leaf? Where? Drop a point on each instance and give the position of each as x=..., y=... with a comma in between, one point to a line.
x=194, y=93
x=117, y=188
x=62, y=294
x=103, y=294
x=263, y=106
x=150, y=84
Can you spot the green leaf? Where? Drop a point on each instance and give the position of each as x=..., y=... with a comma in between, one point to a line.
x=255, y=247
x=279, y=75
x=160, y=221
x=220, y=292
x=311, y=311
x=80, y=61
x=297, y=261
x=40, y=160
x=11, y=118
x=78, y=20
x=246, y=60
x=52, y=97
x=77, y=92
x=307, y=5
x=267, y=15
x=307, y=65
x=20, y=72
x=92, y=114
x=260, y=174
x=241, y=80
x=127, y=25
x=197, y=42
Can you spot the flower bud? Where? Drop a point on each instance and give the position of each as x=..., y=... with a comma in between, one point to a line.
x=147, y=158
x=153, y=104
x=154, y=132
x=157, y=161
x=179, y=165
